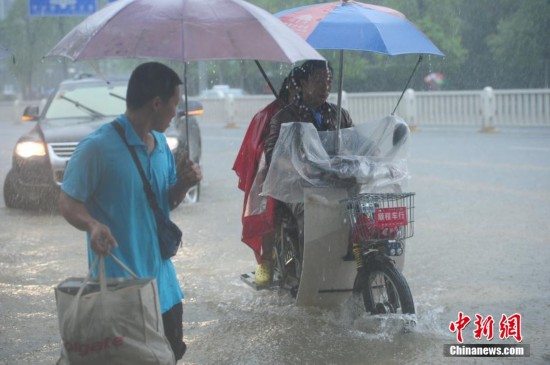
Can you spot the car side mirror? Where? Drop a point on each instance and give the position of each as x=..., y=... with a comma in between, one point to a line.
x=30, y=114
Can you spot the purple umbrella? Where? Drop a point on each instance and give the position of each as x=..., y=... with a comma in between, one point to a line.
x=184, y=30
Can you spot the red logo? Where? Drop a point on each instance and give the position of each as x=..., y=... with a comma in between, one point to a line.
x=390, y=217
x=509, y=326
x=484, y=327
x=459, y=325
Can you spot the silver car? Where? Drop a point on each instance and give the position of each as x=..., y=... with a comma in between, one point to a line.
x=74, y=110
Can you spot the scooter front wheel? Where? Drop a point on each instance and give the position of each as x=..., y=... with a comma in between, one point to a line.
x=383, y=289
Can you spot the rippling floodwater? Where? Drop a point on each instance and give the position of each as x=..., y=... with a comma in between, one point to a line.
x=480, y=246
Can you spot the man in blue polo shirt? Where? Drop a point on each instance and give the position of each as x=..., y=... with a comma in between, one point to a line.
x=102, y=191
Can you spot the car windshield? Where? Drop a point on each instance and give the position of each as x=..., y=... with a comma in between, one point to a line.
x=82, y=103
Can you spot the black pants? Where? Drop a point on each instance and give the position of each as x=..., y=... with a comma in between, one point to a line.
x=173, y=329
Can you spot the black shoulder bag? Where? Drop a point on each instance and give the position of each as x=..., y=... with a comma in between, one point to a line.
x=169, y=235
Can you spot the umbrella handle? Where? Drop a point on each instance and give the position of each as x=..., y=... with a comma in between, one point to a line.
x=339, y=110
x=267, y=79
x=186, y=108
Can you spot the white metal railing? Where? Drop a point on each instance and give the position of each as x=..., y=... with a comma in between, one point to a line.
x=485, y=108
x=522, y=107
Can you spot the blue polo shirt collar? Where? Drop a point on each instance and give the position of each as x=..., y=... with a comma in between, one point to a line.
x=129, y=131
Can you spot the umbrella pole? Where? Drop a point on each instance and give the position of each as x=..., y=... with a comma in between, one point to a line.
x=339, y=110
x=186, y=108
x=266, y=79
x=408, y=82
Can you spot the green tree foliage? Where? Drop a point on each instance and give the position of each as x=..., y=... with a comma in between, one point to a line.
x=498, y=43
x=30, y=38
x=520, y=46
x=439, y=21
x=480, y=20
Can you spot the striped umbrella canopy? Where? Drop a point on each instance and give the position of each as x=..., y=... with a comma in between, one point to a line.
x=352, y=25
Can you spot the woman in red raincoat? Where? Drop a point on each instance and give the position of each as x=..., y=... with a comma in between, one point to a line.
x=259, y=223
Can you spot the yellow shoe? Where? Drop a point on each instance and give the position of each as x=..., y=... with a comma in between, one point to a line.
x=263, y=274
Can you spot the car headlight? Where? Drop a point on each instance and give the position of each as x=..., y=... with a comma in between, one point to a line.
x=173, y=143
x=30, y=149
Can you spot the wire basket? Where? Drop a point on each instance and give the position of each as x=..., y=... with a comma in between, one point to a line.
x=375, y=217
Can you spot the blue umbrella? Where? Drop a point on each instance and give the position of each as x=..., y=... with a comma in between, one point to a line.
x=352, y=25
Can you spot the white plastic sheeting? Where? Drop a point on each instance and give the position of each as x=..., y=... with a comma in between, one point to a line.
x=368, y=158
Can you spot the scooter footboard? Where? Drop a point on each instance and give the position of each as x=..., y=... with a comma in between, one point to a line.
x=327, y=279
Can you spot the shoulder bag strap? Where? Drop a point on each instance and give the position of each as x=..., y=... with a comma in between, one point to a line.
x=146, y=185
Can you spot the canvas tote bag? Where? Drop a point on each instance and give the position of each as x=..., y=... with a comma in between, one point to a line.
x=113, y=321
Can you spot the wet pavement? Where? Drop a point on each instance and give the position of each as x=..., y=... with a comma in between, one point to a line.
x=481, y=246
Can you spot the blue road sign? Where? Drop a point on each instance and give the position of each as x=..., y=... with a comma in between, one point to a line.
x=62, y=7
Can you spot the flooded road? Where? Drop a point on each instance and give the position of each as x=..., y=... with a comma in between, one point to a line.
x=481, y=246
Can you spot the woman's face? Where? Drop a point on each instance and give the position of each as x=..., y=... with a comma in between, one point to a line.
x=316, y=87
